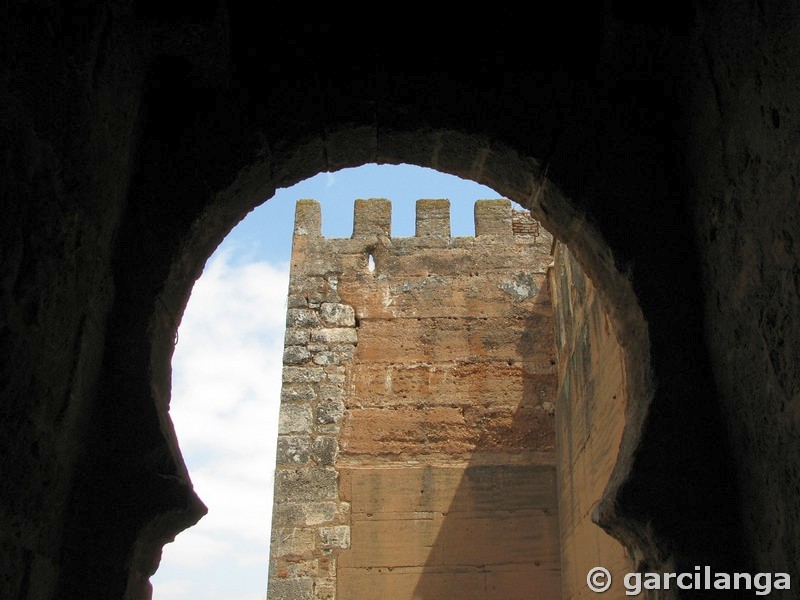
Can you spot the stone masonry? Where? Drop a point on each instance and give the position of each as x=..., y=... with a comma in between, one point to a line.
x=416, y=439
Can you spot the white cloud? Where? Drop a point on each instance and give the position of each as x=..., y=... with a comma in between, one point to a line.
x=225, y=399
x=174, y=590
x=194, y=549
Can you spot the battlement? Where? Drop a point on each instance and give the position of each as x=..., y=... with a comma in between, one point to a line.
x=373, y=217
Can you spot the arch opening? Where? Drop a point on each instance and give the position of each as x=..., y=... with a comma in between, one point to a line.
x=372, y=253
x=515, y=177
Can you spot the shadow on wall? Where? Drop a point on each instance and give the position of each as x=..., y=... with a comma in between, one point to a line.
x=472, y=512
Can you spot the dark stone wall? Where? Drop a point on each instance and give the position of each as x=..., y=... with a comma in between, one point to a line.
x=134, y=135
x=745, y=183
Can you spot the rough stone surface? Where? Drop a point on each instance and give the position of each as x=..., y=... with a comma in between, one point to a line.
x=337, y=314
x=295, y=355
x=293, y=450
x=310, y=484
x=330, y=412
x=294, y=418
x=325, y=451
x=335, y=335
x=302, y=317
x=297, y=392
x=302, y=374
x=293, y=589
x=296, y=337
x=337, y=536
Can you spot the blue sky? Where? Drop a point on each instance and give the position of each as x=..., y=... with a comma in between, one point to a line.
x=227, y=371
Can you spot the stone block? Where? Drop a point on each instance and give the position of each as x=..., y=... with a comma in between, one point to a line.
x=325, y=451
x=316, y=298
x=325, y=358
x=294, y=418
x=302, y=317
x=330, y=429
x=325, y=589
x=521, y=287
x=302, y=374
x=296, y=337
x=372, y=217
x=335, y=335
x=297, y=393
x=343, y=511
x=330, y=412
x=340, y=315
x=317, y=513
x=292, y=541
x=296, y=301
x=310, y=484
x=305, y=513
x=329, y=391
x=293, y=450
x=344, y=350
x=295, y=355
x=337, y=378
x=292, y=589
x=287, y=514
x=433, y=218
x=493, y=217
x=307, y=218
x=337, y=536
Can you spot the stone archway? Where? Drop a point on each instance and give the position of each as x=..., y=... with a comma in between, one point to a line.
x=518, y=178
x=161, y=253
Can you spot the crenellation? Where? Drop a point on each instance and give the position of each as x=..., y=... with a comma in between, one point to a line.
x=372, y=217
x=496, y=224
x=493, y=217
x=523, y=223
x=308, y=218
x=433, y=218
